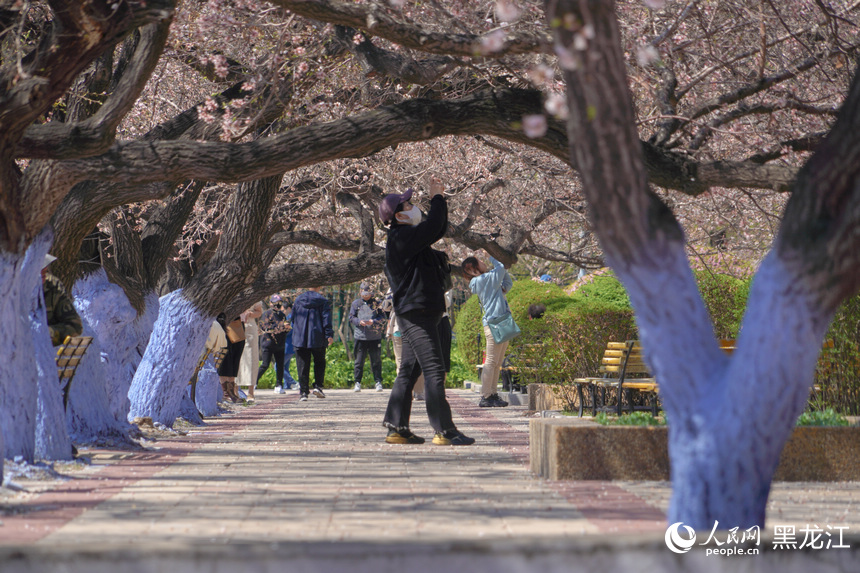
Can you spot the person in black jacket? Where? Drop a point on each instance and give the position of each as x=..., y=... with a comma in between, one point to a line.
x=273, y=339
x=413, y=271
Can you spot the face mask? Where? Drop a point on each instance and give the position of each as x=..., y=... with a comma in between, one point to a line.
x=414, y=215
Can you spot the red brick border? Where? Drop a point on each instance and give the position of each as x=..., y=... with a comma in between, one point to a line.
x=610, y=508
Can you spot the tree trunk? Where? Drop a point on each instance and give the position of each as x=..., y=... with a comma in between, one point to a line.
x=177, y=340
x=109, y=317
x=19, y=279
x=209, y=390
x=52, y=435
x=90, y=417
x=728, y=417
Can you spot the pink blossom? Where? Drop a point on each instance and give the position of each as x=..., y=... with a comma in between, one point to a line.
x=494, y=41
x=647, y=55
x=534, y=125
x=220, y=63
x=507, y=11
x=556, y=104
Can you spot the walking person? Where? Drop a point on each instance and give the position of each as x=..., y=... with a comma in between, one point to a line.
x=312, y=334
x=417, y=280
x=273, y=338
x=229, y=368
x=250, y=361
x=490, y=285
x=368, y=319
x=289, y=349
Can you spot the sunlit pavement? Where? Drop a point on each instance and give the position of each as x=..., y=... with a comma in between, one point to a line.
x=284, y=471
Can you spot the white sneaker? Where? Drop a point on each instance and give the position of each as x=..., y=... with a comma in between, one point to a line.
x=279, y=389
x=357, y=387
x=304, y=398
x=379, y=386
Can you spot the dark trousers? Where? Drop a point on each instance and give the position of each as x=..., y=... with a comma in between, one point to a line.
x=445, y=336
x=267, y=355
x=422, y=351
x=362, y=349
x=303, y=365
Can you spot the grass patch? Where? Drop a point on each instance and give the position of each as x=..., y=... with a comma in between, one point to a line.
x=827, y=417
x=630, y=419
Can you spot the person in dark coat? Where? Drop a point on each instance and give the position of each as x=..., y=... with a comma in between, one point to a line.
x=413, y=271
x=368, y=319
x=312, y=334
x=273, y=338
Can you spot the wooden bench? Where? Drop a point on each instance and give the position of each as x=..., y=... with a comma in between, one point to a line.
x=620, y=361
x=218, y=358
x=69, y=355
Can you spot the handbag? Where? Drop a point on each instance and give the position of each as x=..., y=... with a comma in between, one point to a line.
x=236, y=331
x=503, y=328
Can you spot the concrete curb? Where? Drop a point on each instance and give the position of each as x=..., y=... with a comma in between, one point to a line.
x=618, y=553
x=568, y=448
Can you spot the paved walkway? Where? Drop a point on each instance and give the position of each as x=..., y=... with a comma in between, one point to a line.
x=319, y=471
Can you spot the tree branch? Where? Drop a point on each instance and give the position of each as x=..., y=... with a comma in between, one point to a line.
x=95, y=135
x=377, y=22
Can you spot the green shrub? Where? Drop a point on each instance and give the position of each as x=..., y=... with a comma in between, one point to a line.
x=725, y=298
x=339, y=370
x=629, y=419
x=838, y=372
x=569, y=341
x=827, y=417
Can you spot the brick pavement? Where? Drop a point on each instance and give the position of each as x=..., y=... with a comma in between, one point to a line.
x=319, y=471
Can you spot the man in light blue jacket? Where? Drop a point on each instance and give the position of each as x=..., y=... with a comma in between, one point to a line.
x=490, y=285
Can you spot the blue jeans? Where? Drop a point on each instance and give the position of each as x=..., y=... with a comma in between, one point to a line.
x=288, y=378
x=422, y=351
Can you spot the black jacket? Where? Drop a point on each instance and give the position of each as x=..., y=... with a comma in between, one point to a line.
x=410, y=265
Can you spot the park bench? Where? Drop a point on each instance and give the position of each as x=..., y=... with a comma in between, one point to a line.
x=218, y=357
x=624, y=370
x=620, y=363
x=69, y=355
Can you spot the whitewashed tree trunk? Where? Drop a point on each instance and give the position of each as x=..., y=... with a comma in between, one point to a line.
x=52, y=435
x=89, y=415
x=114, y=324
x=177, y=340
x=19, y=278
x=729, y=417
x=208, y=391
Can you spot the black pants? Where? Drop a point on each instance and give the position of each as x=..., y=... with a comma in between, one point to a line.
x=230, y=365
x=303, y=365
x=267, y=355
x=445, y=337
x=422, y=350
x=362, y=349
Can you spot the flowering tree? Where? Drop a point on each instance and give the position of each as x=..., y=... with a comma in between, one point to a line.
x=724, y=447
x=725, y=95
